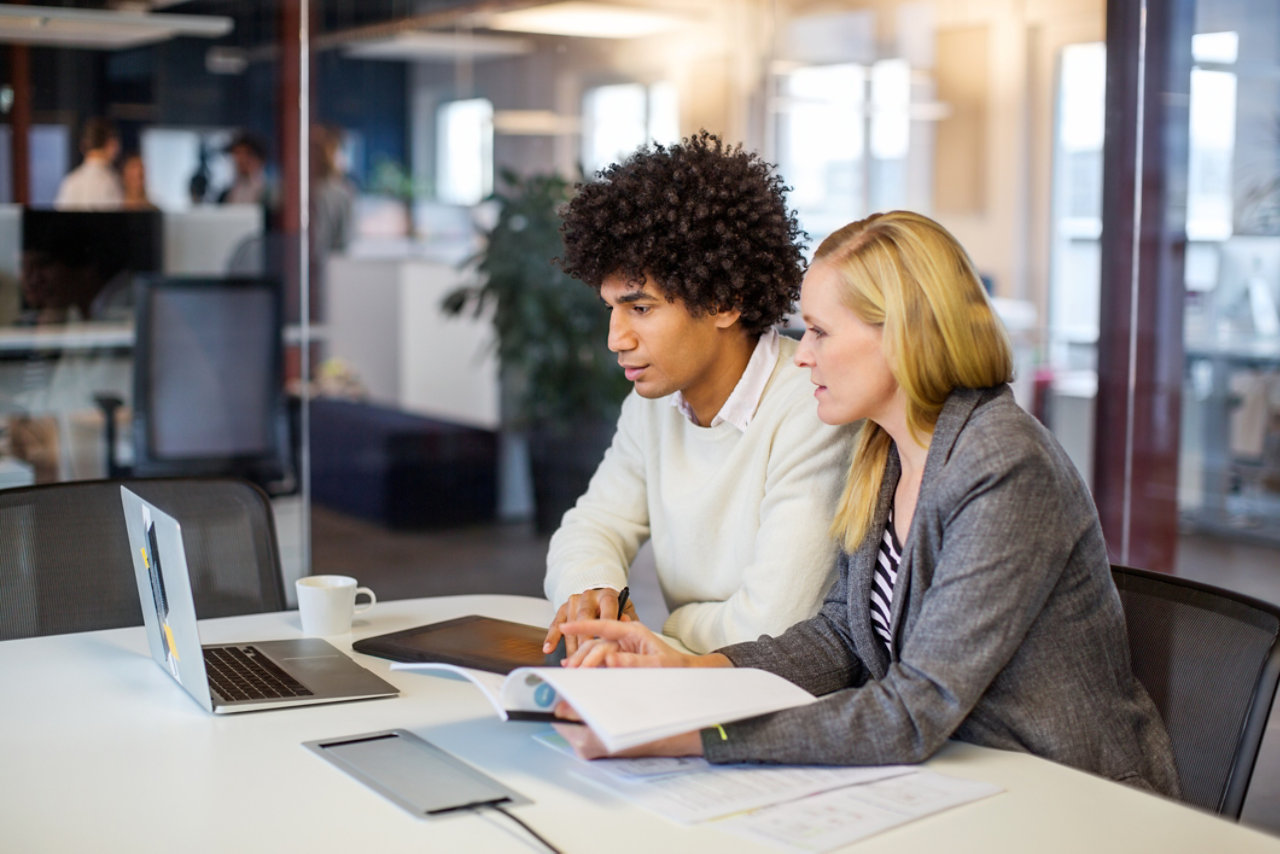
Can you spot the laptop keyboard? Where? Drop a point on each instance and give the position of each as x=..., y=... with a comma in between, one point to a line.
x=242, y=673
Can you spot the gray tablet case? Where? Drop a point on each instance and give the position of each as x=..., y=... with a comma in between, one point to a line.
x=412, y=773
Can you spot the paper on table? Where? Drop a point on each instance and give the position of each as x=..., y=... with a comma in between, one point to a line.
x=694, y=790
x=841, y=816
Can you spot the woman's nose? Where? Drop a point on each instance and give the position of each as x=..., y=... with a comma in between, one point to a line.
x=804, y=353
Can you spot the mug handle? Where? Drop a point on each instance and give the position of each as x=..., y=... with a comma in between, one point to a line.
x=373, y=600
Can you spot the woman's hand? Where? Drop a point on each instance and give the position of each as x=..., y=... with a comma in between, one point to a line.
x=587, y=746
x=596, y=603
x=609, y=643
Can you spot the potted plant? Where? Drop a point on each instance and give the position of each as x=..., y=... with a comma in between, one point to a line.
x=562, y=388
x=392, y=180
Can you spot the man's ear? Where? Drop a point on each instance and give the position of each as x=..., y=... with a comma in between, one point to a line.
x=725, y=319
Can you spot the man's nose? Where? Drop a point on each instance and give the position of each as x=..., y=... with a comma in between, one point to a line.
x=620, y=337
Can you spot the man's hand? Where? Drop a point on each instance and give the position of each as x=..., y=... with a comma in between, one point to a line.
x=597, y=603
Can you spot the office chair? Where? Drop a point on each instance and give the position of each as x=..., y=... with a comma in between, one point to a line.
x=208, y=383
x=1210, y=659
x=66, y=564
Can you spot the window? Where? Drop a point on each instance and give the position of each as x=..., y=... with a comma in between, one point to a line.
x=619, y=118
x=464, y=151
x=1076, y=221
x=843, y=137
x=1213, y=136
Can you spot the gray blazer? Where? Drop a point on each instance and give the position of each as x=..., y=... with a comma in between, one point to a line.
x=1007, y=628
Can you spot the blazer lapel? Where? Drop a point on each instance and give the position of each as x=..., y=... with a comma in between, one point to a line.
x=954, y=415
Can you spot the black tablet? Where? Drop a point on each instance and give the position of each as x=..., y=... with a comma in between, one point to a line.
x=484, y=643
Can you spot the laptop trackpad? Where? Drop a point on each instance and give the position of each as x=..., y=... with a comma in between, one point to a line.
x=322, y=667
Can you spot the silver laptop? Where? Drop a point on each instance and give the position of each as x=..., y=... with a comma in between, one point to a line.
x=236, y=677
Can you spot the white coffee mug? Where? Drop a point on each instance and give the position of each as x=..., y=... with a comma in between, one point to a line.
x=326, y=603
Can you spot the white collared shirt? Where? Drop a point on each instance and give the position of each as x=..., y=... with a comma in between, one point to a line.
x=741, y=405
x=93, y=185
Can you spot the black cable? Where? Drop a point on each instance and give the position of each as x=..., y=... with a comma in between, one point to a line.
x=498, y=807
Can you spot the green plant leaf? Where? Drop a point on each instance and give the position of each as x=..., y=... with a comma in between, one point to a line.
x=551, y=330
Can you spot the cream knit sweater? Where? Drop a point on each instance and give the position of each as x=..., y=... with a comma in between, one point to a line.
x=738, y=519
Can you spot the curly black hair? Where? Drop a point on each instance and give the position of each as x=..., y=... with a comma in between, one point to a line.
x=707, y=223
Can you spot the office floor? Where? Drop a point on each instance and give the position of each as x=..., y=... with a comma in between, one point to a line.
x=509, y=558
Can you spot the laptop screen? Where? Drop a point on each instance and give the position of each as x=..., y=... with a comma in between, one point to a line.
x=164, y=589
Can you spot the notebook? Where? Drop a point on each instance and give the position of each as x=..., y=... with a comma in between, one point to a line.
x=236, y=677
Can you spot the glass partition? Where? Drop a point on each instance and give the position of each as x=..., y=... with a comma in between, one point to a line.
x=144, y=155
x=372, y=134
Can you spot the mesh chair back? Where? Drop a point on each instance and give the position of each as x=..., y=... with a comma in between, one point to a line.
x=1210, y=660
x=208, y=384
x=66, y=564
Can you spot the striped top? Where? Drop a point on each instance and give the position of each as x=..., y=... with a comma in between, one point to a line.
x=882, y=584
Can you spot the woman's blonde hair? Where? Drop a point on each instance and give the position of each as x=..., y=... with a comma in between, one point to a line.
x=908, y=275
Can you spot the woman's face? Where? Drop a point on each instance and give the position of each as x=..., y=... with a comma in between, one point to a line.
x=133, y=174
x=844, y=355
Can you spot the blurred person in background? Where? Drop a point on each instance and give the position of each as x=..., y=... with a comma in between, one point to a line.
x=133, y=178
x=249, y=160
x=333, y=195
x=94, y=184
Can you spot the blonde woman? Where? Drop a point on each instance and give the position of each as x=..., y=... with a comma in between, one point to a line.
x=974, y=597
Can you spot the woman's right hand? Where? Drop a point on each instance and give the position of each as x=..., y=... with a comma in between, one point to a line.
x=610, y=643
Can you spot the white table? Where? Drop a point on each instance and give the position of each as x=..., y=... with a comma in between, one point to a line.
x=100, y=751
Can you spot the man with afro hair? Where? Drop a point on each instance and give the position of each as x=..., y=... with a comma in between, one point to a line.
x=719, y=458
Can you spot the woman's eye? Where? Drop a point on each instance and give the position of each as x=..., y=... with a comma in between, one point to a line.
x=816, y=332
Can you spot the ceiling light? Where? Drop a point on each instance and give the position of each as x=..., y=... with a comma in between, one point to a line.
x=535, y=123
x=586, y=19
x=222, y=59
x=55, y=26
x=422, y=45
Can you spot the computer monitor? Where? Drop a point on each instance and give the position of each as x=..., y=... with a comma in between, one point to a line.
x=208, y=391
x=79, y=264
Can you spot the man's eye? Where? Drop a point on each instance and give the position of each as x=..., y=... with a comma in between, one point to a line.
x=641, y=309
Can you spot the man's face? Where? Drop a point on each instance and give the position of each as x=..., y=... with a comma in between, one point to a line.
x=661, y=346
x=246, y=162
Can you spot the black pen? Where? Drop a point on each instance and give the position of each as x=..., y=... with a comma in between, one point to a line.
x=623, y=596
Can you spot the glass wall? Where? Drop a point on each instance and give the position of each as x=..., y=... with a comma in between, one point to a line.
x=1190, y=285
x=152, y=320
x=411, y=124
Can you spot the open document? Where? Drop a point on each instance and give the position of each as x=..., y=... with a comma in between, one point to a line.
x=836, y=818
x=690, y=789
x=803, y=808
x=631, y=706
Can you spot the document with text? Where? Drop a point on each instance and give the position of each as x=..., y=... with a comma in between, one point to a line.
x=692, y=790
x=838, y=817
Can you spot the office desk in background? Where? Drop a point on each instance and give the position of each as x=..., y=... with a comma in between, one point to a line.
x=105, y=335
x=102, y=752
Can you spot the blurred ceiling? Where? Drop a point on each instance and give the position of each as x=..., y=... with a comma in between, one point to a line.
x=388, y=29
